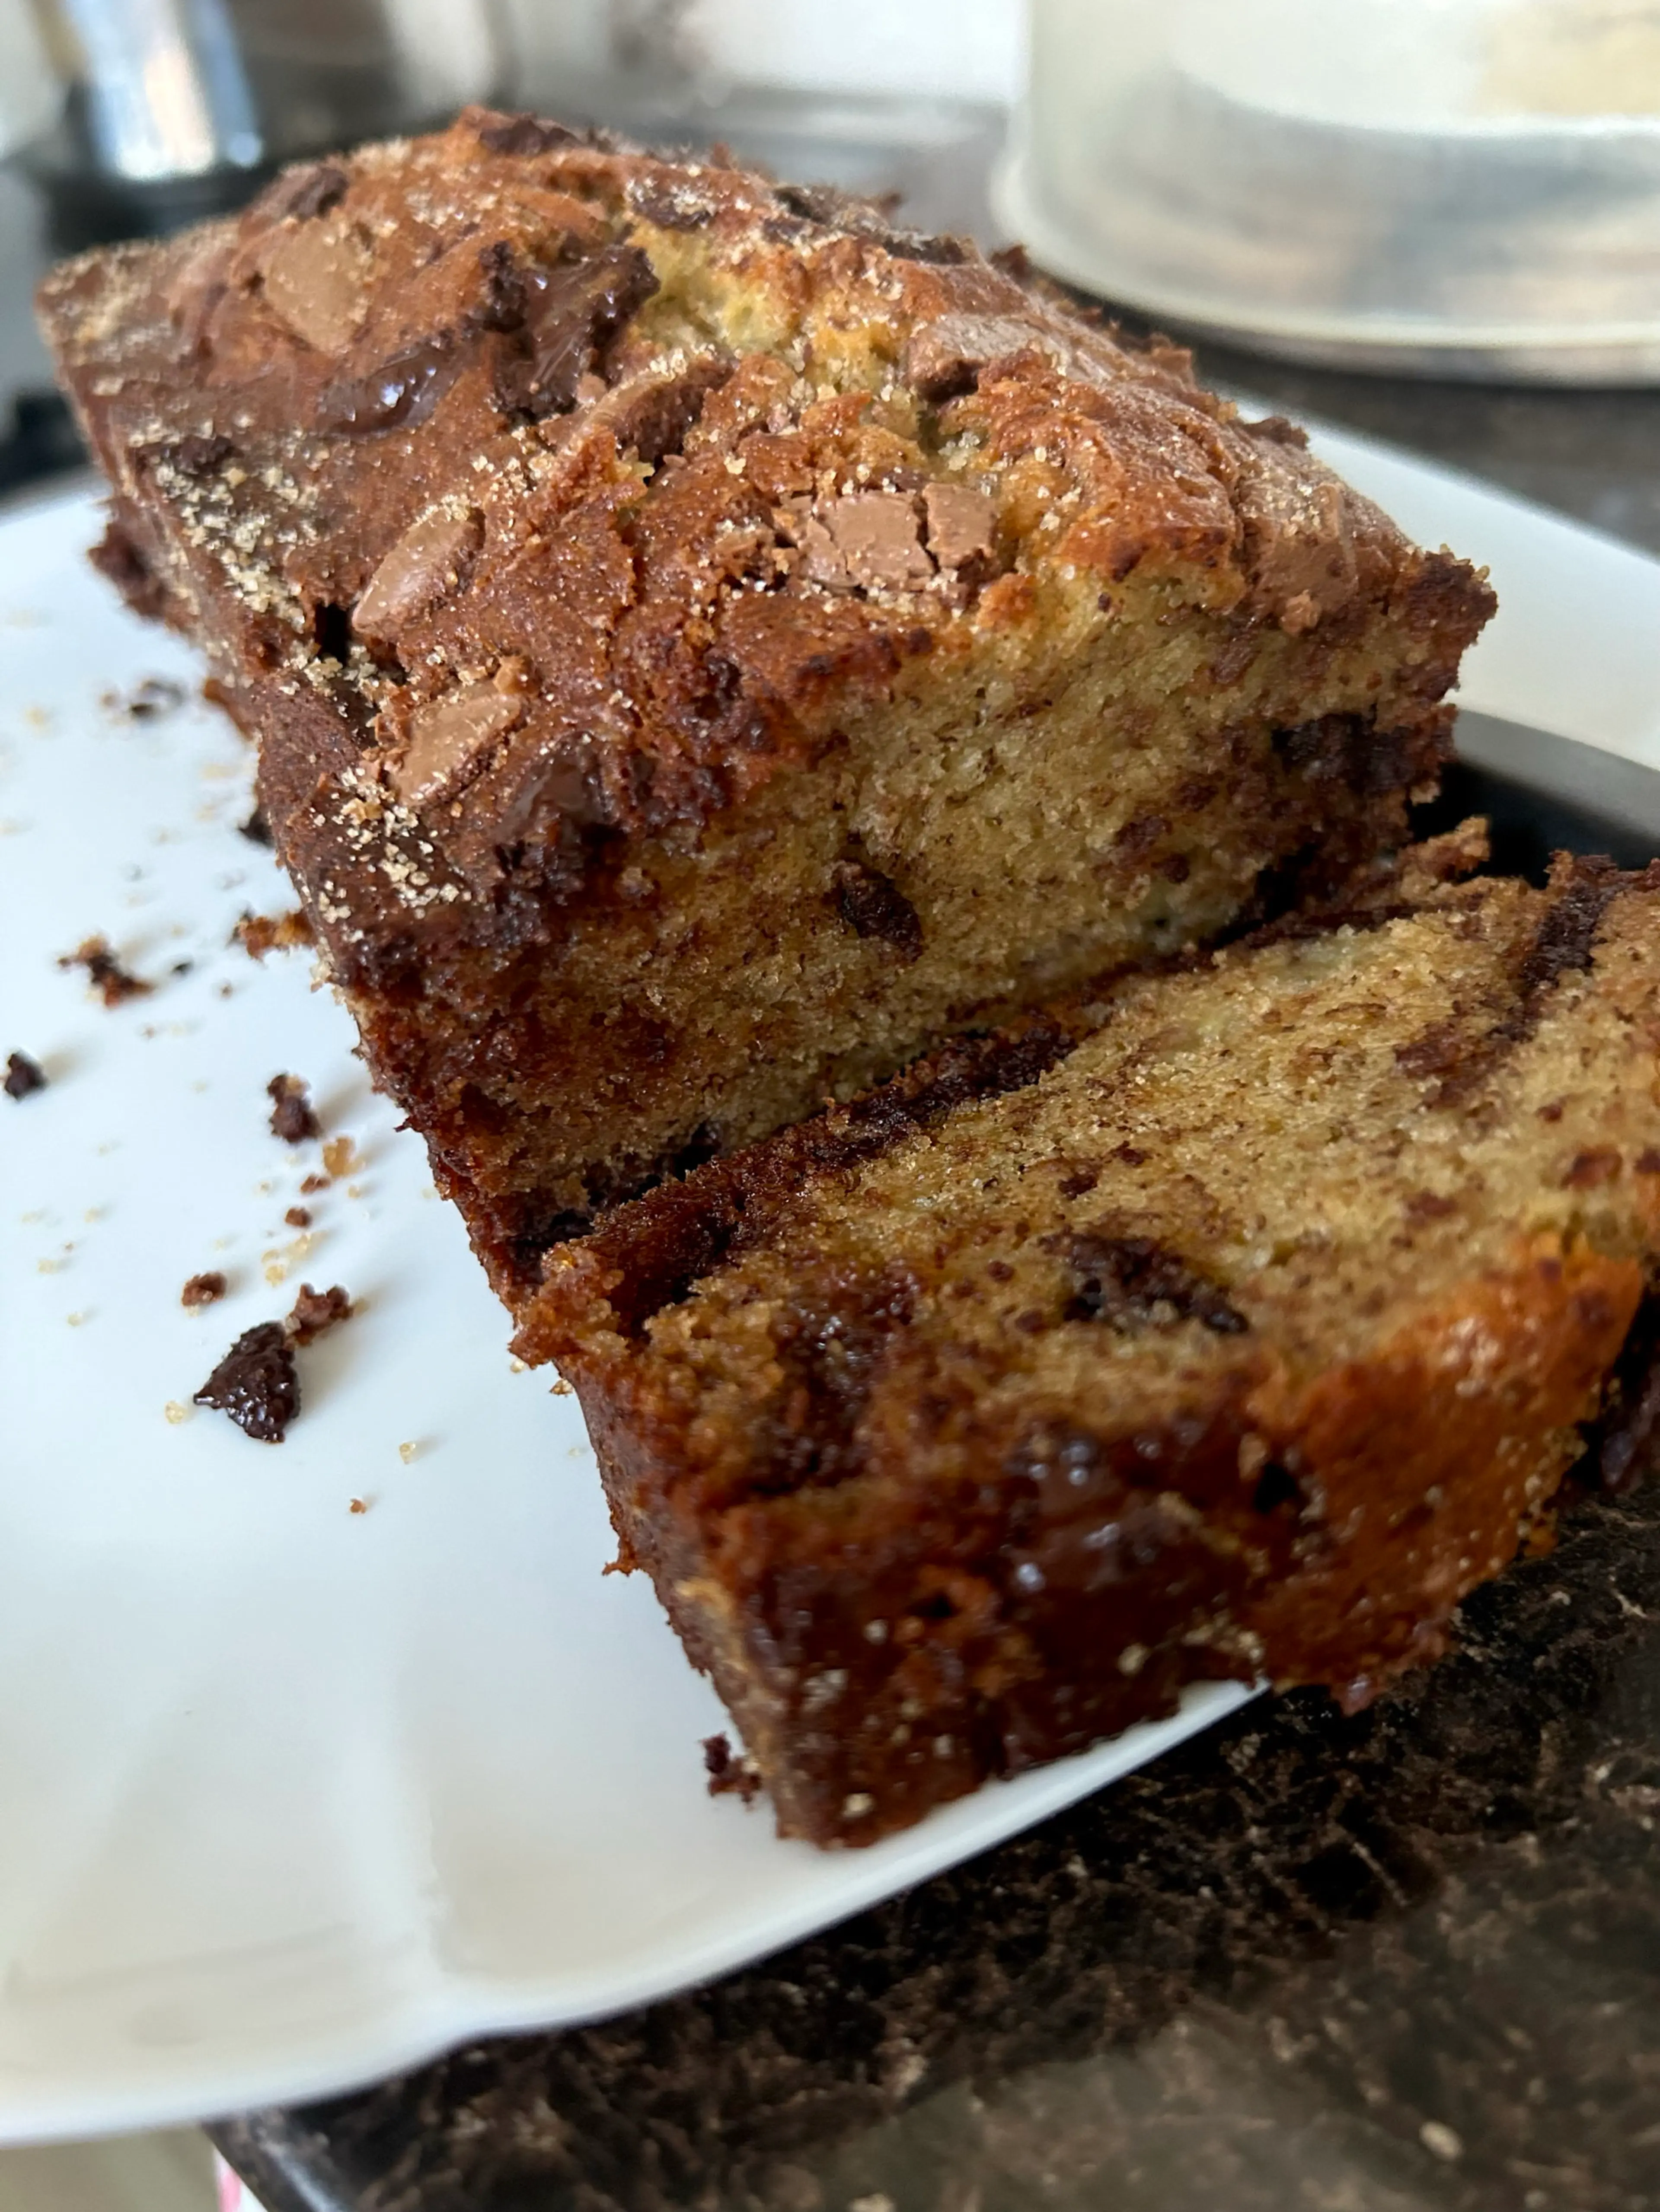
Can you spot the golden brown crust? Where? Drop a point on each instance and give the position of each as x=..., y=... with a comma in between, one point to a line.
x=1243, y=1341
x=320, y=396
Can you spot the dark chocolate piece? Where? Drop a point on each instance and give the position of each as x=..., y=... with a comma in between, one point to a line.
x=23, y=1075
x=256, y=1384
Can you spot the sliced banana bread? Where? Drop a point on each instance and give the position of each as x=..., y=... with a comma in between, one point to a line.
x=1236, y=1326
x=705, y=641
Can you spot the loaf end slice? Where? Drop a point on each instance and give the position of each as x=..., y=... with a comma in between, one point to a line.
x=1238, y=1333
x=706, y=642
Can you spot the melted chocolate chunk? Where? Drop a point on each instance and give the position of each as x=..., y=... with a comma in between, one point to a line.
x=1131, y=1282
x=561, y=316
x=291, y=1117
x=22, y=1076
x=872, y=905
x=526, y=134
x=401, y=392
x=104, y=972
x=316, y=190
x=256, y=1383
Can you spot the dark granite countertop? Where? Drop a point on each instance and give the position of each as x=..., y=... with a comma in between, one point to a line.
x=1405, y=1960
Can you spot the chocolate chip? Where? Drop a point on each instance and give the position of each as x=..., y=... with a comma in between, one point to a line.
x=525, y=134
x=427, y=562
x=449, y=738
x=944, y=358
x=961, y=525
x=22, y=1076
x=256, y=1383
x=871, y=539
x=872, y=905
x=291, y=1115
x=1131, y=1282
x=203, y=1289
x=316, y=278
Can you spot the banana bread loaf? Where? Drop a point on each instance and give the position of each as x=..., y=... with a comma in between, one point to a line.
x=706, y=642
x=1236, y=1326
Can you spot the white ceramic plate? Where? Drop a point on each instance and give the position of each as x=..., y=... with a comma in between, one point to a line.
x=292, y=1796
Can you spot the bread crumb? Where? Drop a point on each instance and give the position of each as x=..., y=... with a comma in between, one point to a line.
x=562, y=1388
x=260, y=934
x=113, y=982
x=75, y=1320
x=24, y=1075
x=291, y=1115
x=313, y=1183
x=202, y=1290
x=340, y=1156
x=358, y=1505
x=406, y=1452
x=176, y=1412
x=297, y=1217
x=316, y=1311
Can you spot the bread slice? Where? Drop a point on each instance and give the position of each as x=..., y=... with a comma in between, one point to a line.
x=705, y=642
x=1235, y=1326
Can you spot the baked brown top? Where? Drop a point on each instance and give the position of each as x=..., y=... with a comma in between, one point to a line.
x=538, y=488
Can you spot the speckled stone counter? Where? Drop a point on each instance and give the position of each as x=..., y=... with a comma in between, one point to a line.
x=1307, y=1963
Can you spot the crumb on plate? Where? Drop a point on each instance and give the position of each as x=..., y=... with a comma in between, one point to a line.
x=113, y=983
x=291, y=1115
x=315, y=1312
x=23, y=1075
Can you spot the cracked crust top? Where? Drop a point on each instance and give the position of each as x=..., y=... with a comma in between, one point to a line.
x=529, y=488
